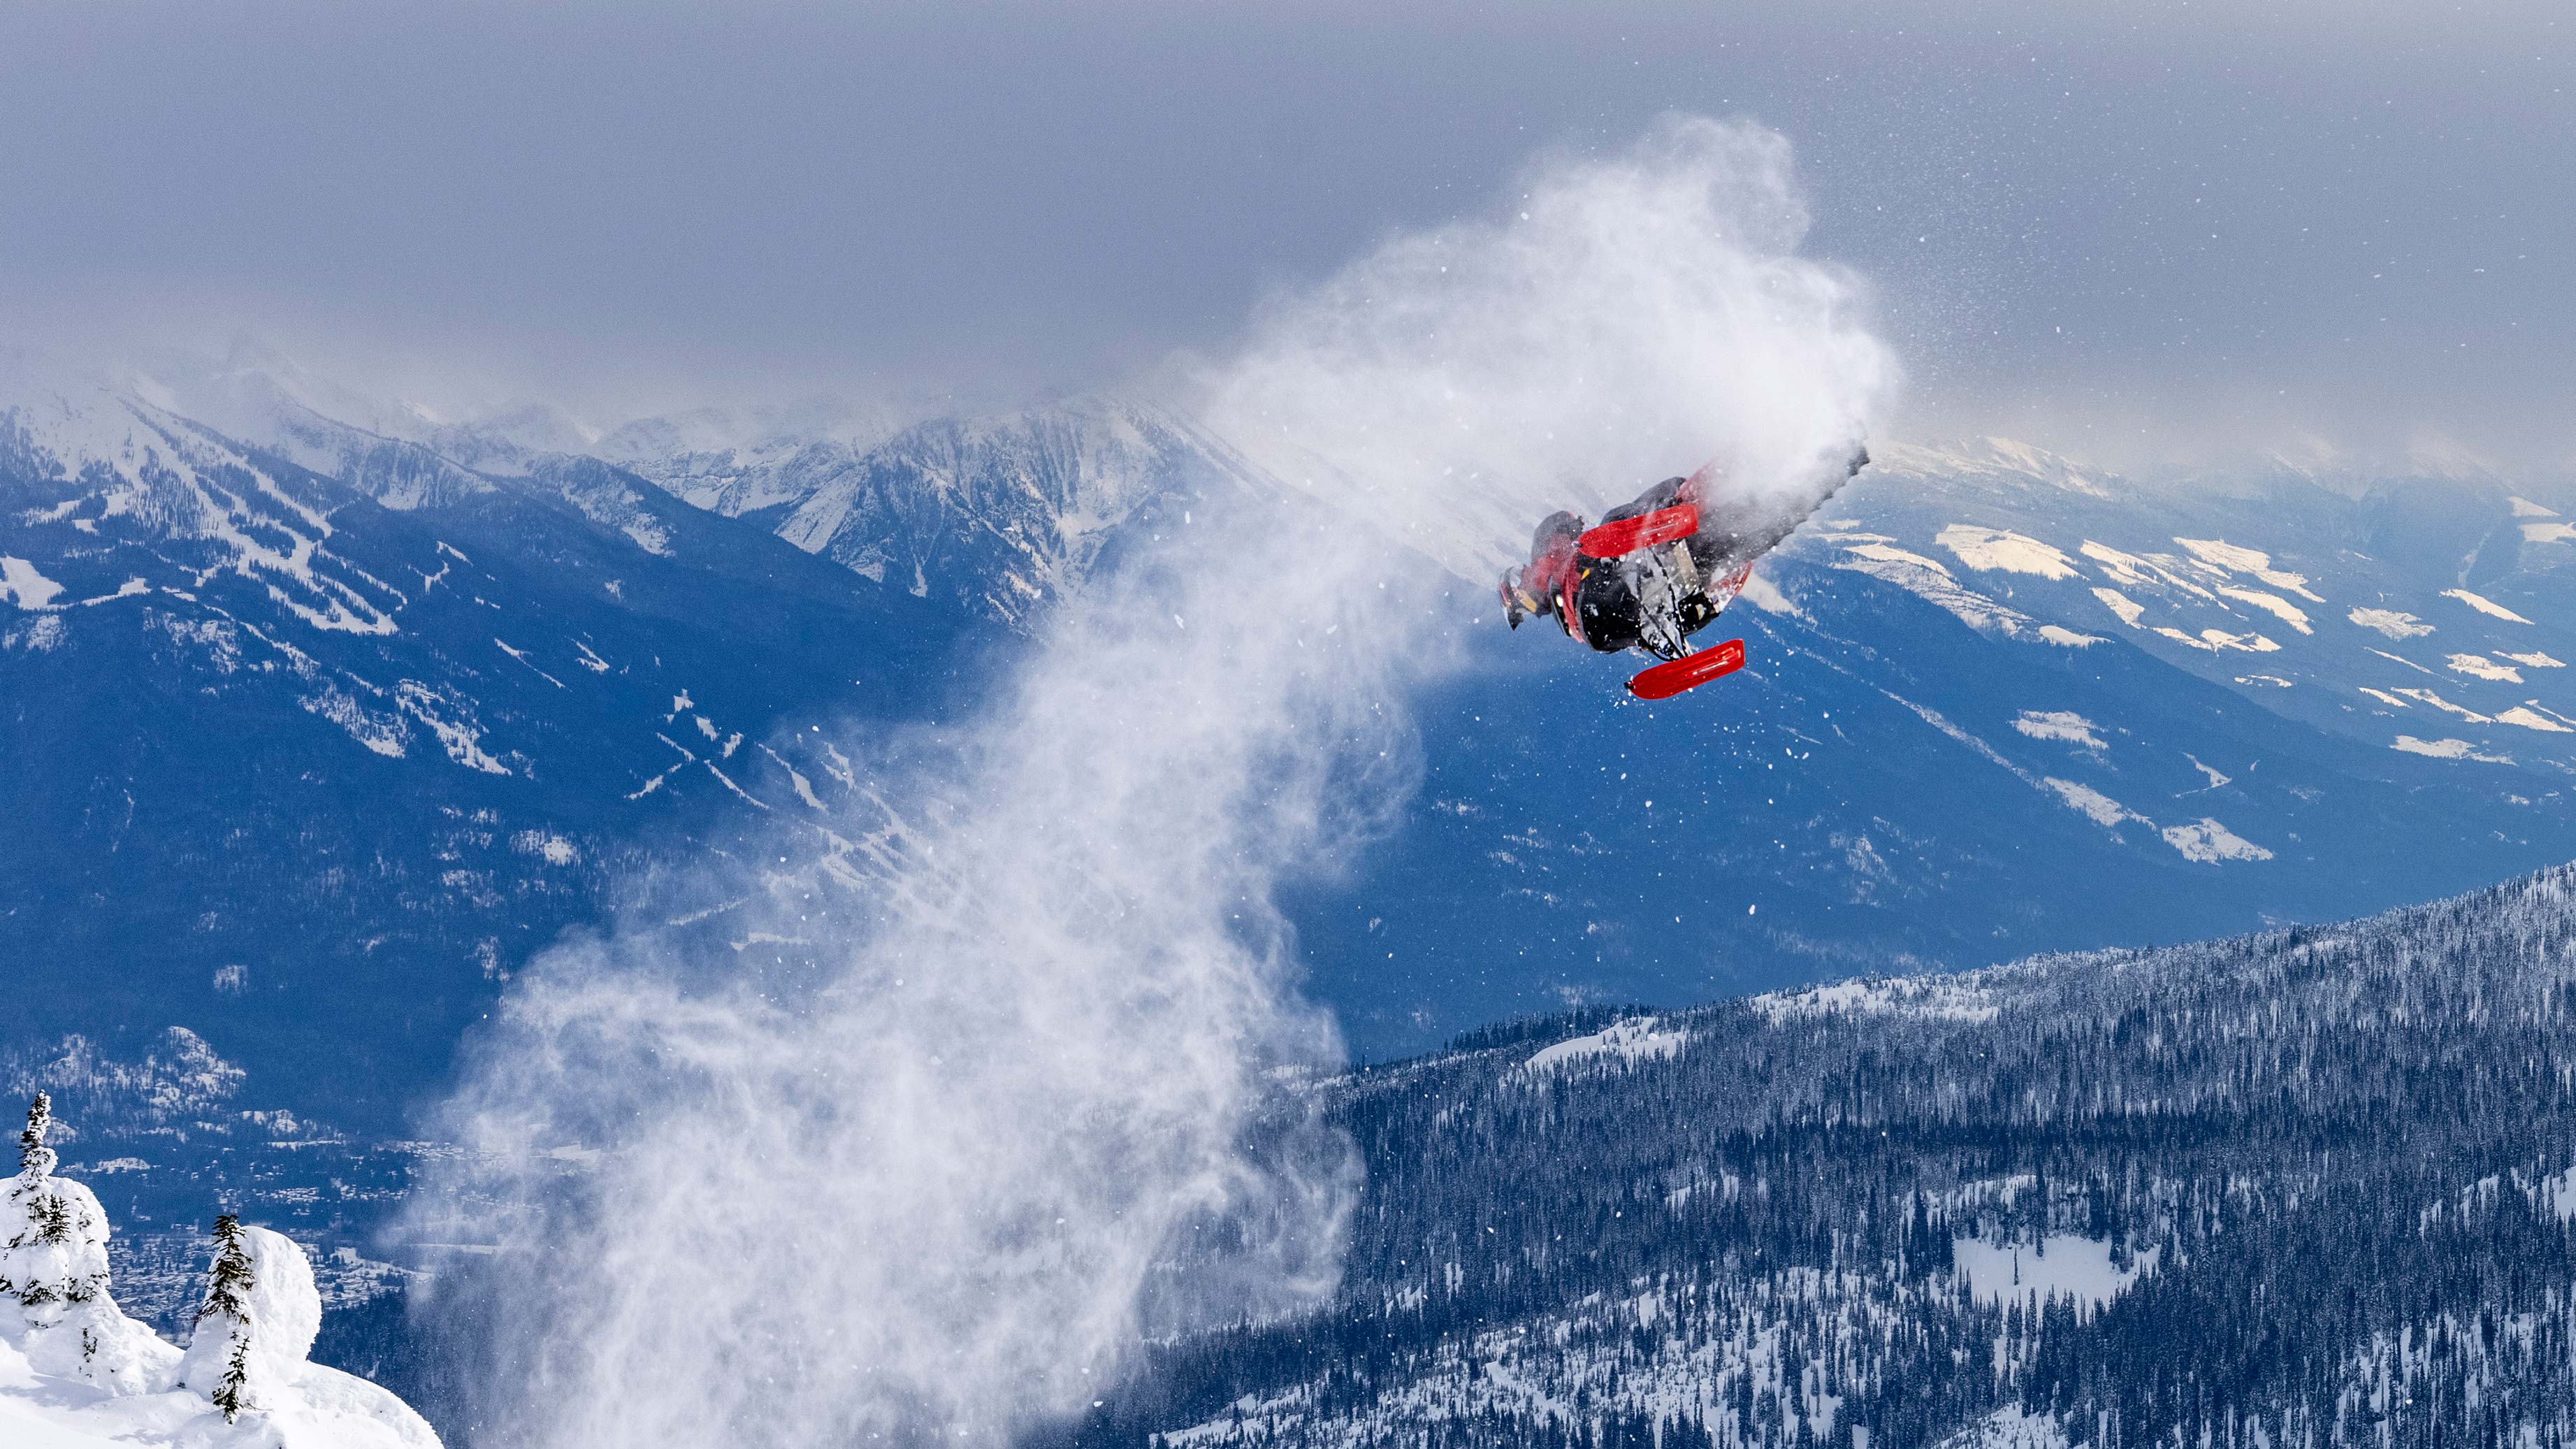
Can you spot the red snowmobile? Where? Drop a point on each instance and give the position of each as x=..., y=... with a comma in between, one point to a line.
x=1659, y=569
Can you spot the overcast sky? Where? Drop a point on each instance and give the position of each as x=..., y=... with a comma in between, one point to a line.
x=2143, y=231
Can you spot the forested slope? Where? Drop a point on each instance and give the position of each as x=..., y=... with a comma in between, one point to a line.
x=2308, y=1186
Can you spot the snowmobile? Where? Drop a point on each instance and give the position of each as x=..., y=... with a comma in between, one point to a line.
x=1659, y=569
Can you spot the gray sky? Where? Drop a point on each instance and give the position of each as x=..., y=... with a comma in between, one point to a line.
x=2146, y=231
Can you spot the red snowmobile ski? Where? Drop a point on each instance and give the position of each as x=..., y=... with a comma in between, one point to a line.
x=1671, y=677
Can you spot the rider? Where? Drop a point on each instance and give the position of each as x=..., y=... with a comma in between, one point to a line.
x=1654, y=597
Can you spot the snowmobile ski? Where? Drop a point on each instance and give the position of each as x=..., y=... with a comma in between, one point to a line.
x=1621, y=537
x=1675, y=675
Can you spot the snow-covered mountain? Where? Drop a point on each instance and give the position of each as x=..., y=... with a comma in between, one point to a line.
x=310, y=760
x=2362, y=617
x=435, y=686
x=998, y=515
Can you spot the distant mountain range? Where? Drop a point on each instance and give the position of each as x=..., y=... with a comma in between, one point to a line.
x=1995, y=703
x=317, y=727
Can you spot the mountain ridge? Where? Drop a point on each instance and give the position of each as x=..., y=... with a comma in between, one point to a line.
x=2185, y=760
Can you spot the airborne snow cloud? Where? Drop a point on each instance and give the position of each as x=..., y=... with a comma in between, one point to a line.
x=1616, y=321
x=931, y=1166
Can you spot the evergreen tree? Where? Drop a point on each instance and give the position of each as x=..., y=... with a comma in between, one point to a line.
x=52, y=1216
x=229, y=1395
x=49, y=1219
x=226, y=1310
x=231, y=1280
x=35, y=1159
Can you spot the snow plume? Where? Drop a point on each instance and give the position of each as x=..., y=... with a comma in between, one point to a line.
x=1620, y=319
x=1000, y=1071
x=944, y=1135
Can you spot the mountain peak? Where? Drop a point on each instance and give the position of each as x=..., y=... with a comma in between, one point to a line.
x=2000, y=460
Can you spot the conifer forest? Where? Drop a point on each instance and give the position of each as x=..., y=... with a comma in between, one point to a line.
x=2310, y=1187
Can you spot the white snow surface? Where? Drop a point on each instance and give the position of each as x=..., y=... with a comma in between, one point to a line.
x=22, y=584
x=2101, y=808
x=2391, y=622
x=2129, y=610
x=2485, y=605
x=1998, y=549
x=2478, y=666
x=2215, y=640
x=1932, y=581
x=382, y=732
x=1952, y=998
x=448, y=716
x=2446, y=750
x=2225, y=557
x=2426, y=696
x=2059, y=1265
x=2531, y=719
x=2156, y=573
x=2289, y=613
x=1624, y=1041
x=2060, y=724
x=2010, y=1428
x=2209, y=842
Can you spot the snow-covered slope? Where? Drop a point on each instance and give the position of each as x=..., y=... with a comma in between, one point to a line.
x=2431, y=617
x=283, y=746
x=2305, y=1186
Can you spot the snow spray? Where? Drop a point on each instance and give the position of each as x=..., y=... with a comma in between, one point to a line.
x=1023, y=1085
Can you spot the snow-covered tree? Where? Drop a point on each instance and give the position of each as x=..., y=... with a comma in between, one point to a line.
x=54, y=1300
x=230, y=1391
x=256, y=1322
x=229, y=1283
x=51, y=1228
x=35, y=1159
x=223, y=1322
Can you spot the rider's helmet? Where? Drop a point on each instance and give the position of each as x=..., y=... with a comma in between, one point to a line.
x=1534, y=590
